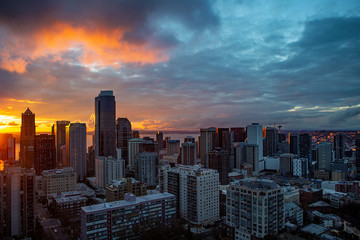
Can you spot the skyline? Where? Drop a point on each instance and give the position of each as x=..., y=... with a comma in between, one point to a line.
x=182, y=66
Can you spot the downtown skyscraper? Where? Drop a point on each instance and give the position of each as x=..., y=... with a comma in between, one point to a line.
x=27, y=136
x=123, y=135
x=105, y=135
x=77, y=148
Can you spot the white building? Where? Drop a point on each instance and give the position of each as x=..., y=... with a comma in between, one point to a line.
x=196, y=189
x=58, y=180
x=255, y=207
x=146, y=168
x=300, y=167
x=255, y=136
x=77, y=148
x=107, y=169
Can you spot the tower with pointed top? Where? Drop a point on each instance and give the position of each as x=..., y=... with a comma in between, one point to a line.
x=27, y=136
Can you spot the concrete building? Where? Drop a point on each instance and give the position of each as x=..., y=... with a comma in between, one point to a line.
x=172, y=147
x=105, y=135
x=339, y=146
x=67, y=205
x=77, y=148
x=286, y=164
x=271, y=141
x=116, y=190
x=294, y=214
x=188, y=153
x=146, y=168
x=27, y=136
x=128, y=218
x=239, y=134
x=44, y=153
x=58, y=180
x=294, y=143
x=62, y=159
x=305, y=145
x=123, y=136
x=255, y=208
x=108, y=169
x=300, y=167
x=220, y=160
x=206, y=144
x=160, y=140
x=255, y=136
x=134, y=149
x=196, y=190
x=324, y=156
x=17, y=196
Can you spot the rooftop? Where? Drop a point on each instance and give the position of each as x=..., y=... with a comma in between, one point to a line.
x=314, y=229
x=319, y=204
x=256, y=183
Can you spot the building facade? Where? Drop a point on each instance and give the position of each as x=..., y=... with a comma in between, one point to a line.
x=116, y=190
x=58, y=180
x=108, y=169
x=60, y=141
x=27, y=136
x=77, y=148
x=123, y=135
x=45, y=153
x=146, y=168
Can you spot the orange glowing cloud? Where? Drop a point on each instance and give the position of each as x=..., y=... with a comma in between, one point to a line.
x=100, y=47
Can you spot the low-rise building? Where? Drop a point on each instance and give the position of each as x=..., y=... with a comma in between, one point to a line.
x=117, y=189
x=128, y=218
x=67, y=205
x=294, y=213
x=58, y=180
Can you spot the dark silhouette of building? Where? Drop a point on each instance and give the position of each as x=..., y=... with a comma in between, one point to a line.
x=189, y=139
x=7, y=147
x=294, y=143
x=239, y=134
x=90, y=161
x=61, y=155
x=27, y=139
x=135, y=134
x=219, y=160
x=305, y=145
x=357, y=152
x=339, y=146
x=160, y=140
x=123, y=135
x=45, y=153
x=105, y=135
x=188, y=153
x=271, y=141
x=224, y=139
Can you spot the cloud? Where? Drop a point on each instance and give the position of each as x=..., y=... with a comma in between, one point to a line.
x=13, y=124
x=107, y=33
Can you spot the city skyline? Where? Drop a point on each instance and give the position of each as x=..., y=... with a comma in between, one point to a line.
x=182, y=66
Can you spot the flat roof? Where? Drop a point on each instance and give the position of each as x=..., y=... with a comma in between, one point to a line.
x=314, y=229
x=123, y=203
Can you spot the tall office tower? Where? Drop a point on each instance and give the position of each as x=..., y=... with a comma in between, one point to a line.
x=172, y=147
x=196, y=190
x=105, y=135
x=27, y=136
x=149, y=146
x=286, y=164
x=271, y=141
x=206, y=144
x=129, y=218
x=108, y=169
x=294, y=143
x=252, y=157
x=339, y=146
x=300, y=167
x=240, y=154
x=90, y=162
x=135, y=134
x=255, y=136
x=17, y=188
x=134, y=149
x=7, y=147
x=146, y=168
x=220, y=160
x=357, y=152
x=160, y=140
x=314, y=159
x=305, y=145
x=224, y=139
x=255, y=208
x=123, y=135
x=189, y=139
x=239, y=134
x=61, y=155
x=188, y=153
x=77, y=148
x=58, y=180
x=324, y=156
x=45, y=153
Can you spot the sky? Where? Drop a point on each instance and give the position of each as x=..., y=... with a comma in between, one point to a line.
x=182, y=65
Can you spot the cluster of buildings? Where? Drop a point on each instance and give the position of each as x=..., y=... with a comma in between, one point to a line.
x=247, y=182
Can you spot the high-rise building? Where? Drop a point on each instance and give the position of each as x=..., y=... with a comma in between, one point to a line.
x=62, y=158
x=255, y=208
x=255, y=136
x=271, y=141
x=58, y=180
x=252, y=157
x=286, y=164
x=7, y=147
x=224, y=139
x=90, y=161
x=45, y=153
x=77, y=148
x=160, y=140
x=294, y=143
x=146, y=168
x=108, y=169
x=324, y=156
x=339, y=146
x=240, y=154
x=196, y=190
x=206, y=144
x=129, y=218
x=105, y=135
x=172, y=147
x=305, y=145
x=239, y=134
x=188, y=153
x=189, y=139
x=116, y=190
x=134, y=149
x=123, y=135
x=135, y=134
x=17, y=196
x=27, y=136
x=220, y=160
x=357, y=152
x=300, y=167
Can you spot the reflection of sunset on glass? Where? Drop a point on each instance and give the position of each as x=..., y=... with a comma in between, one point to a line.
x=1, y=165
